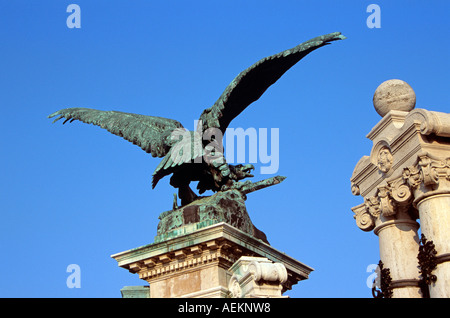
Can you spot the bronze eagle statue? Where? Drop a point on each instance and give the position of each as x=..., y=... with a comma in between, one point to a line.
x=185, y=156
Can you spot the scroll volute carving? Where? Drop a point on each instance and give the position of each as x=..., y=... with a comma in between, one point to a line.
x=400, y=192
x=364, y=220
x=394, y=195
x=387, y=201
x=268, y=271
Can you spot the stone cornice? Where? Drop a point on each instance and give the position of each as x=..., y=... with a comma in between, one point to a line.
x=409, y=160
x=430, y=122
x=392, y=121
x=401, y=136
x=218, y=243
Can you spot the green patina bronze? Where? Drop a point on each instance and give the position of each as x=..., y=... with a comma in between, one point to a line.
x=188, y=158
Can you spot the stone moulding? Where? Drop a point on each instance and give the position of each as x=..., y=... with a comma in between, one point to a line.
x=398, y=132
x=404, y=165
x=429, y=122
x=216, y=245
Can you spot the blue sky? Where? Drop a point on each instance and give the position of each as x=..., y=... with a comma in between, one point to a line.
x=75, y=194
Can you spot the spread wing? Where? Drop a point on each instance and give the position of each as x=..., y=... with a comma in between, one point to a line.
x=152, y=134
x=251, y=83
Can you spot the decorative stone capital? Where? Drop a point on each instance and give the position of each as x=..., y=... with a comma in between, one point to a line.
x=390, y=198
x=409, y=161
x=429, y=176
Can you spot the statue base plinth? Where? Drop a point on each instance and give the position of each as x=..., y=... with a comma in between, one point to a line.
x=224, y=206
x=213, y=261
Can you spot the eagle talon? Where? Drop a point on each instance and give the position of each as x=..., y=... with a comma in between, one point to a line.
x=240, y=172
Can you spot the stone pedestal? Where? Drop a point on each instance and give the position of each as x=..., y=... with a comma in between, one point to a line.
x=213, y=261
x=407, y=177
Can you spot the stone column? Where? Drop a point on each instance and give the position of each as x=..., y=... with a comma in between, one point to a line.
x=407, y=177
x=430, y=181
x=398, y=250
x=398, y=241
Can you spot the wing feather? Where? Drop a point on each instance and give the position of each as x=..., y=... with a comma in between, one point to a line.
x=151, y=133
x=251, y=83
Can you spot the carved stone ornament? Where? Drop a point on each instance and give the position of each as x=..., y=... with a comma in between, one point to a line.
x=355, y=189
x=400, y=192
x=364, y=220
x=234, y=289
x=384, y=160
x=373, y=206
x=388, y=199
x=413, y=176
x=430, y=175
x=269, y=272
x=256, y=277
x=387, y=205
x=428, y=167
x=409, y=161
x=427, y=171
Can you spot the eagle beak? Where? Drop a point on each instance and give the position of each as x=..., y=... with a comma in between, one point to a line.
x=247, y=169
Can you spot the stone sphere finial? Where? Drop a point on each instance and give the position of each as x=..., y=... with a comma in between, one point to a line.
x=394, y=94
